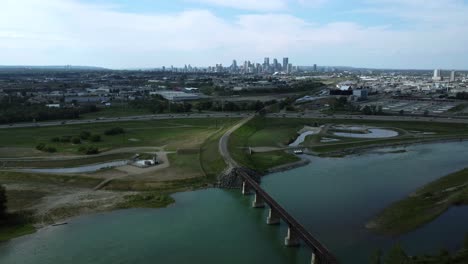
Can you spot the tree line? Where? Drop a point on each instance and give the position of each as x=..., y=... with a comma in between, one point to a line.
x=16, y=109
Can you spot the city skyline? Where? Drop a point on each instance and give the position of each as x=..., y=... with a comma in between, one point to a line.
x=115, y=34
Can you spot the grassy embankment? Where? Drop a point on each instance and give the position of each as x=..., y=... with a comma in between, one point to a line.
x=256, y=133
x=21, y=219
x=424, y=205
x=16, y=230
x=212, y=163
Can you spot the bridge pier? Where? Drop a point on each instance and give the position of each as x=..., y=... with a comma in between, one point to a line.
x=273, y=217
x=246, y=189
x=258, y=201
x=291, y=239
x=314, y=259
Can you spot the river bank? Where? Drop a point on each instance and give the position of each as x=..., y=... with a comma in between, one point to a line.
x=366, y=148
x=332, y=198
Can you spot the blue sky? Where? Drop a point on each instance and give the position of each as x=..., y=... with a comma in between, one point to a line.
x=152, y=33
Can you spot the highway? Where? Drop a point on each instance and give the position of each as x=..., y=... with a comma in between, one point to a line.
x=125, y=119
x=233, y=115
x=372, y=117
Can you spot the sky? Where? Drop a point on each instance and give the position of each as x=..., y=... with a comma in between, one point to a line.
x=399, y=34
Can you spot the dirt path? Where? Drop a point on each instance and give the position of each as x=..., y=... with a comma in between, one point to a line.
x=58, y=157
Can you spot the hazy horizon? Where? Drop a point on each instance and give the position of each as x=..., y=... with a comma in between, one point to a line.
x=119, y=34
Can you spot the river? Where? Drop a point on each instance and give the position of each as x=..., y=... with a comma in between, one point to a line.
x=332, y=197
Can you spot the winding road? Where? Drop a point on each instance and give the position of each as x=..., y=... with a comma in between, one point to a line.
x=224, y=143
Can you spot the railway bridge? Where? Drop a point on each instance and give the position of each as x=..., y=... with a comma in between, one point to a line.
x=296, y=232
x=237, y=176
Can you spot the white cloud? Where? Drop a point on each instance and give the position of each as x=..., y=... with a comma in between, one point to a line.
x=70, y=32
x=255, y=5
x=261, y=5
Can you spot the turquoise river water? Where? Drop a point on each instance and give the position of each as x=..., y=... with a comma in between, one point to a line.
x=332, y=197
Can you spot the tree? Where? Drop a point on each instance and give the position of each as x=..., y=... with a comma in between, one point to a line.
x=367, y=110
x=76, y=140
x=95, y=138
x=380, y=110
x=114, y=131
x=397, y=255
x=40, y=146
x=3, y=202
x=376, y=258
x=199, y=107
x=465, y=242
x=85, y=135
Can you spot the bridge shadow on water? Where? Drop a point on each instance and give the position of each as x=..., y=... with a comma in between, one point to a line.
x=272, y=234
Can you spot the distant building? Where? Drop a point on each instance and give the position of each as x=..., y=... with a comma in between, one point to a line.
x=289, y=68
x=361, y=94
x=191, y=90
x=176, y=95
x=437, y=76
x=285, y=63
x=86, y=99
x=452, y=76
x=315, y=67
x=275, y=64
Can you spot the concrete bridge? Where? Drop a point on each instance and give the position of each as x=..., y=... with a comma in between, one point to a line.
x=296, y=232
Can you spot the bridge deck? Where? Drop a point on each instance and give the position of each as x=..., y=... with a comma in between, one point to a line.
x=321, y=251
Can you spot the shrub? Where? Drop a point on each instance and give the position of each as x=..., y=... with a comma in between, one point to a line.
x=65, y=139
x=85, y=135
x=95, y=138
x=3, y=202
x=465, y=242
x=89, y=150
x=92, y=150
x=76, y=140
x=50, y=149
x=40, y=146
x=114, y=131
x=55, y=139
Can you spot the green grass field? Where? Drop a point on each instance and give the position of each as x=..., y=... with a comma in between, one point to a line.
x=174, y=134
x=189, y=162
x=259, y=132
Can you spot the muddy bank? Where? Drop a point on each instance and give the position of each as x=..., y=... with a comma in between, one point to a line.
x=304, y=161
x=364, y=149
